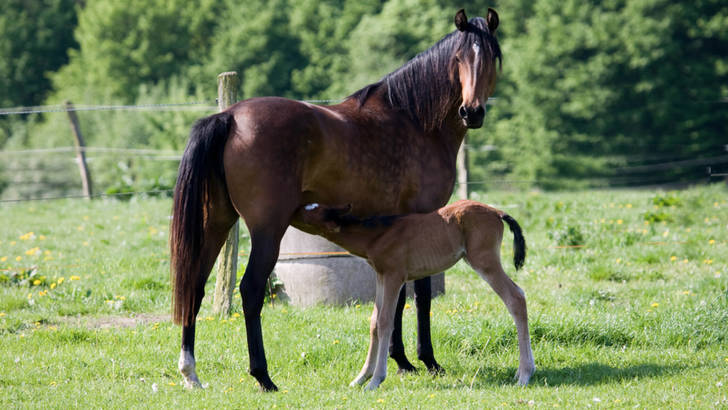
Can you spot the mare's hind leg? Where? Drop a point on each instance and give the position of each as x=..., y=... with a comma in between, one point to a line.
x=488, y=265
x=222, y=217
x=265, y=245
x=396, y=348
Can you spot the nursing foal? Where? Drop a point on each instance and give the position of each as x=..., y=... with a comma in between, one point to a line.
x=410, y=247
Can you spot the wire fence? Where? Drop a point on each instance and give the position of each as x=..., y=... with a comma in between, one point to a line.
x=627, y=175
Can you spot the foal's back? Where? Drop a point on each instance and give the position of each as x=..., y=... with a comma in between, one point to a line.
x=424, y=244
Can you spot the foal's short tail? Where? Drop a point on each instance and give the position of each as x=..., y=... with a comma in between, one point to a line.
x=201, y=162
x=519, y=243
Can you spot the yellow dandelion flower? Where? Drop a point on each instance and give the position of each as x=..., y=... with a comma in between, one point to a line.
x=12, y=242
x=172, y=383
x=236, y=314
x=619, y=260
x=407, y=306
x=2, y=314
x=85, y=243
x=673, y=258
x=654, y=304
x=629, y=205
x=36, y=282
x=30, y=296
x=380, y=400
x=357, y=306
x=26, y=237
x=33, y=251
x=3, y=259
x=664, y=234
x=80, y=228
x=711, y=242
x=619, y=221
x=209, y=318
x=336, y=341
x=42, y=237
x=75, y=277
x=18, y=258
x=61, y=279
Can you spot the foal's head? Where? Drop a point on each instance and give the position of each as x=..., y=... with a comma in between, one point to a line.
x=473, y=64
x=323, y=218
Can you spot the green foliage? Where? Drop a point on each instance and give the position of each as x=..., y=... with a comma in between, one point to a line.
x=35, y=36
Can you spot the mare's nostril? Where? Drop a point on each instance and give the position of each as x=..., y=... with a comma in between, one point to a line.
x=463, y=112
x=480, y=111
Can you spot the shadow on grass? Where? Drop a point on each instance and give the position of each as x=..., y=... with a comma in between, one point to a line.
x=586, y=374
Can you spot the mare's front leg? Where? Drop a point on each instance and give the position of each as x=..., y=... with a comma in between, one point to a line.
x=265, y=245
x=423, y=302
x=386, y=301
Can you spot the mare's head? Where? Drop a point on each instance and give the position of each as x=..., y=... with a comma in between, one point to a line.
x=473, y=64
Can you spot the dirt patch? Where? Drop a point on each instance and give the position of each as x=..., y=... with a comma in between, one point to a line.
x=116, y=322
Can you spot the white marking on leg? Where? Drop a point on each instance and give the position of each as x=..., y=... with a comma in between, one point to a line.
x=311, y=207
x=186, y=366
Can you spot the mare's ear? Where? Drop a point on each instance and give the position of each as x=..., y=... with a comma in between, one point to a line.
x=461, y=20
x=492, y=20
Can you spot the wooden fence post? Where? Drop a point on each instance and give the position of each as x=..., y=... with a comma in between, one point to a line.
x=463, y=190
x=227, y=86
x=80, y=150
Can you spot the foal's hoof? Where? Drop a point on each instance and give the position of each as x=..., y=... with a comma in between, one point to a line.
x=523, y=376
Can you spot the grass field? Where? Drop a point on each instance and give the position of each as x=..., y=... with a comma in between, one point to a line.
x=627, y=294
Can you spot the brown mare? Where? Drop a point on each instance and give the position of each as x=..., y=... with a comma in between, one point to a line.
x=389, y=148
x=414, y=246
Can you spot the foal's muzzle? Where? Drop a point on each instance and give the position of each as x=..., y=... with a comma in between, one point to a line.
x=472, y=117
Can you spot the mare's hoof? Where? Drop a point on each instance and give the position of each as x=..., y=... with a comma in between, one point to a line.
x=406, y=369
x=264, y=381
x=434, y=368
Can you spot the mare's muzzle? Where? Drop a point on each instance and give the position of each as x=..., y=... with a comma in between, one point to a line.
x=472, y=117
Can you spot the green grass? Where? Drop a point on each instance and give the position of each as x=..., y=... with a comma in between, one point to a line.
x=627, y=295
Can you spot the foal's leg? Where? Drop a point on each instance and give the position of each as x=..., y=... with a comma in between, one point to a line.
x=423, y=301
x=490, y=269
x=371, y=360
x=396, y=347
x=368, y=369
x=387, y=300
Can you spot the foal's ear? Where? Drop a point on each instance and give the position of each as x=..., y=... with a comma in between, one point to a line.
x=492, y=20
x=461, y=20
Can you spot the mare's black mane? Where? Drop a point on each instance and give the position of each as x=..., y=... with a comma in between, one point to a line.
x=425, y=86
